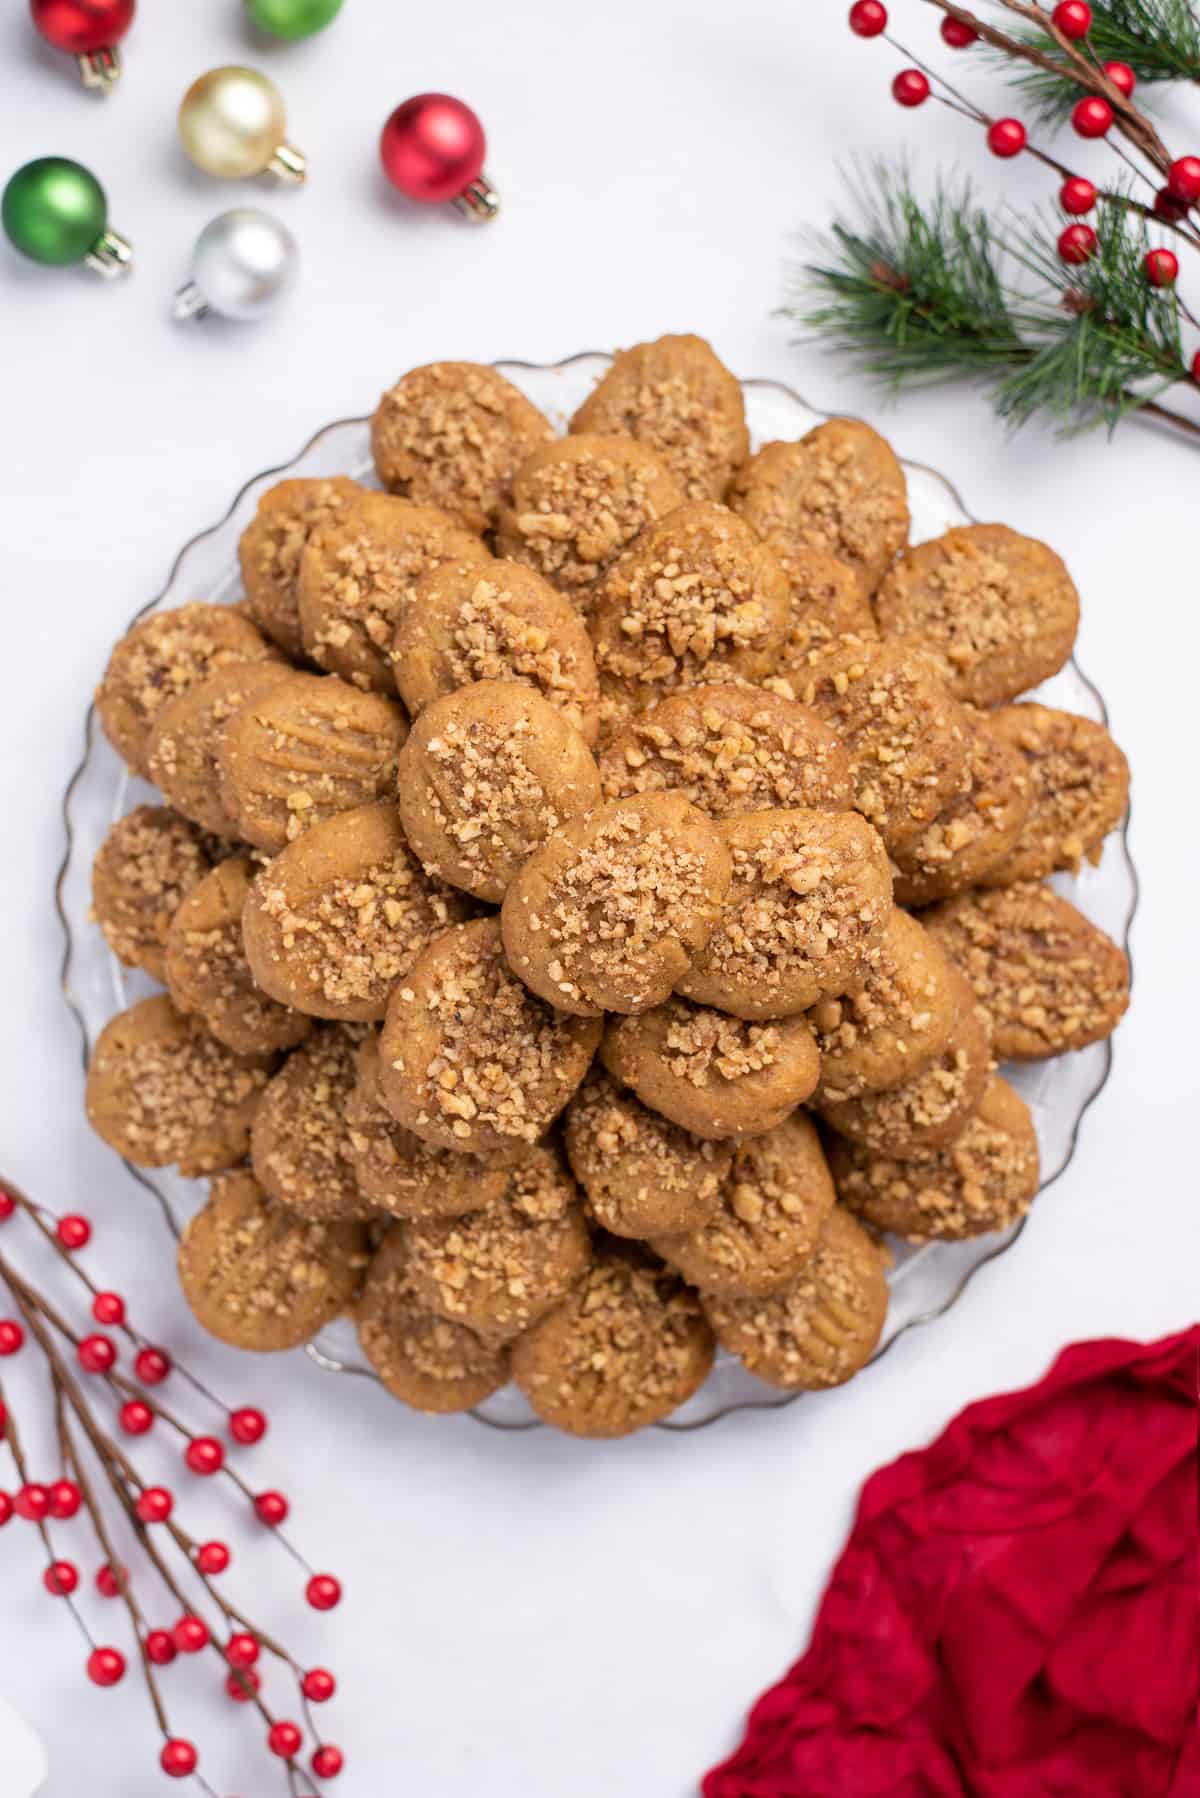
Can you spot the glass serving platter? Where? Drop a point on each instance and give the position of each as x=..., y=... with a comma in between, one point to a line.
x=925, y=1281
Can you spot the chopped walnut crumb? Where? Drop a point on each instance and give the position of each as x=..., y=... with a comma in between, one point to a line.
x=146, y=864
x=642, y=1174
x=300, y=1144
x=1079, y=783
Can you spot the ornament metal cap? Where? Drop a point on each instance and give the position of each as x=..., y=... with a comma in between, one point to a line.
x=111, y=255
x=100, y=70
x=479, y=201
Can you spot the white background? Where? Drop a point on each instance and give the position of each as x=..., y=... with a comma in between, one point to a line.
x=531, y=1617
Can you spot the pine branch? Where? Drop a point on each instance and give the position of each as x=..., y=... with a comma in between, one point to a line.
x=1159, y=39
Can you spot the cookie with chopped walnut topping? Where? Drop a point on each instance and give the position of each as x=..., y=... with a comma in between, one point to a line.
x=976, y=832
x=610, y=912
x=147, y=864
x=469, y=1057
x=257, y=1276
x=886, y=1028
x=625, y=1348
x=774, y=1203
x=357, y=575
x=424, y=1360
x=300, y=1143
x=984, y=1181
x=729, y=749
x=996, y=612
x=487, y=774
x=499, y=621
x=578, y=502
x=828, y=606
x=643, y=1175
x=807, y=908
x=1049, y=979
x=676, y=397
x=1079, y=790
x=183, y=753
x=840, y=489
x=208, y=973
x=825, y=1327
x=714, y=1075
x=271, y=547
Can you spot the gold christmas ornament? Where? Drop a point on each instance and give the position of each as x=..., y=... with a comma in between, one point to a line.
x=232, y=124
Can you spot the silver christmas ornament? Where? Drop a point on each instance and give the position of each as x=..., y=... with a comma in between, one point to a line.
x=242, y=262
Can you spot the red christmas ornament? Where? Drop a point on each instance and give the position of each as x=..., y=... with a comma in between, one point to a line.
x=1121, y=76
x=1162, y=267
x=12, y=1336
x=868, y=18
x=154, y=1505
x=284, y=1739
x=109, y=1308
x=204, y=1455
x=6, y=1509
x=1006, y=137
x=178, y=1758
x=1077, y=244
x=213, y=1557
x=323, y=1592
x=1183, y=178
x=1076, y=195
x=105, y=1666
x=1195, y=377
x=242, y=1650
x=318, y=1685
x=89, y=30
x=110, y=1580
x=73, y=1231
x=160, y=1647
x=32, y=1502
x=7, y=1205
x=432, y=149
x=242, y=1685
x=272, y=1508
x=1092, y=117
x=97, y=1354
x=910, y=88
x=191, y=1635
x=1073, y=18
x=136, y=1417
x=957, y=33
x=152, y=1365
x=60, y=1578
x=328, y=1761
x=65, y=1499
x=247, y=1425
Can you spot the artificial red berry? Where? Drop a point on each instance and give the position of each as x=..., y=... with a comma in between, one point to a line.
x=7, y=1205
x=242, y=1650
x=242, y=1684
x=318, y=1685
x=154, y=1505
x=1092, y=117
x=1183, y=178
x=178, y=1758
x=868, y=18
x=1073, y=18
x=323, y=1592
x=191, y=1635
x=152, y=1365
x=136, y=1417
x=96, y=1354
x=105, y=1666
x=1195, y=377
x=213, y=1557
x=328, y=1761
x=1077, y=195
x=12, y=1336
x=32, y=1502
x=65, y=1499
x=110, y=1580
x=272, y=1508
x=73, y=1231
x=109, y=1308
x=247, y=1424
x=60, y=1578
x=910, y=88
x=1162, y=267
x=6, y=1509
x=160, y=1647
x=1077, y=244
x=284, y=1739
x=1121, y=76
x=204, y=1455
x=957, y=33
x=1006, y=137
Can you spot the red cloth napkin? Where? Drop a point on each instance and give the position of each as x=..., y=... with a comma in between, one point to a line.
x=1017, y=1611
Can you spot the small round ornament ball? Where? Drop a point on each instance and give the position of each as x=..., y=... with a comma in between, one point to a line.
x=243, y=261
x=1092, y=117
x=868, y=18
x=292, y=19
x=82, y=26
x=1183, y=178
x=232, y=124
x=1006, y=137
x=54, y=211
x=1077, y=195
x=1077, y=244
x=1073, y=18
x=432, y=149
x=910, y=88
x=1162, y=268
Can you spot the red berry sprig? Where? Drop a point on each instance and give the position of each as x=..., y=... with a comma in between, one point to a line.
x=1092, y=117
x=1073, y=18
x=1162, y=267
x=868, y=18
x=910, y=88
x=1077, y=244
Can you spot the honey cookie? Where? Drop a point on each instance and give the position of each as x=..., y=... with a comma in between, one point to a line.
x=774, y=1203
x=697, y=597
x=469, y=1058
x=908, y=740
x=932, y=1107
x=500, y=1270
x=271, y=547
x=825, y=1327
x=423, y=1360
x=257, y=1276
x=677, y=398
x=807, y=909
x=183, y=754
x=357, y=575
x=578, y=502
x=146, y=864
x=487, y=774
x=828, y=605
x=643, y=1175
x=496, y=622
x=626, y=1347
x=984, y=1181
x=609, y=913
x=453, y=434
x=162, y=1090
x=839, y=489
x=300, y=1142
x=341, y=914
x=996, y=612
x=1049, y=980
x=729, y=749
x=714, y=1075
x=207, y=971
x=1079, y=787
x=399, y=1173
x=976, y=832
x=884, y=1031
x=308, y=748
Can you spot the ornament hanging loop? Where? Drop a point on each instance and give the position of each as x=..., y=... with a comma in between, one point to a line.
x=111, y=255
x=478, y=201
x=100, y=70
x=288, y=164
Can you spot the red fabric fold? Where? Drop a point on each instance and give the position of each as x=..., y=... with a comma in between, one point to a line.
x=1017, y=1611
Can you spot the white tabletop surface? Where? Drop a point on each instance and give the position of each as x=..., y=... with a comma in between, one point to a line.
x=531, y=1617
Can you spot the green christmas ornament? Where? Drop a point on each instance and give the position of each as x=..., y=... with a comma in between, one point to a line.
x=292, y=18
x=54, y=211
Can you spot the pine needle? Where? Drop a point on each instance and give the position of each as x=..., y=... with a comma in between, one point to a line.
x=1159, y=39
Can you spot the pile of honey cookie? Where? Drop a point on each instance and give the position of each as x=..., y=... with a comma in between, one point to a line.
x=596, y=880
